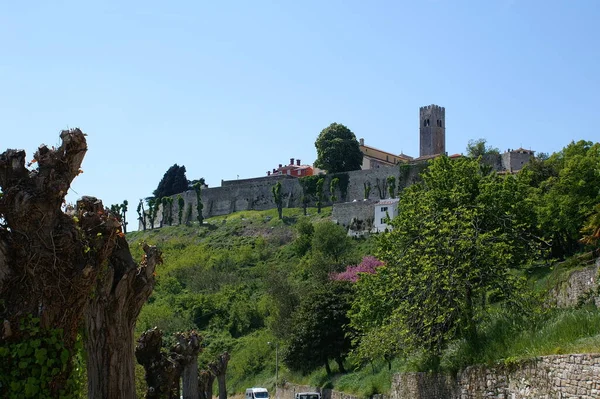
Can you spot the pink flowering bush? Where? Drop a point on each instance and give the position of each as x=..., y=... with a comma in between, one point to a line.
x=368, y=265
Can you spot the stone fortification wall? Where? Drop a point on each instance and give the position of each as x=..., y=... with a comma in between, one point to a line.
x=250, y=194
x=561, y=376
x=256, y=194
x=582, y=285
x=362, y=211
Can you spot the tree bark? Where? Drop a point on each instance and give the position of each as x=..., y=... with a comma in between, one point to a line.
x=219, y=369
x=120, y=292
x=161, y=369
x=49, y=259
x=206, y=380
x=187, y=347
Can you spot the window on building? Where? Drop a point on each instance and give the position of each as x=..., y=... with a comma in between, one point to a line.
x=384, y=209
x=382, y=220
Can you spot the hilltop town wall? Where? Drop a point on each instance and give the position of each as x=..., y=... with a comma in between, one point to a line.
x=256, y=194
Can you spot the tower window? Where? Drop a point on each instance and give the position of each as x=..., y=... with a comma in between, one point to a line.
x=426, y=122
x=439, y=123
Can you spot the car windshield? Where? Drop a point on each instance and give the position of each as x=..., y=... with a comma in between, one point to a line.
x=261, y=395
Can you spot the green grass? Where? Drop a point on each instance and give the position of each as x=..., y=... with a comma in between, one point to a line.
x=504, y=339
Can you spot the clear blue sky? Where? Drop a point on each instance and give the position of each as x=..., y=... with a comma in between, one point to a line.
x=232, y=89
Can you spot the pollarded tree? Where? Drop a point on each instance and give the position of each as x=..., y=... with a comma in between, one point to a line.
x=49, y=262
x=457, y=237
x=338, y=150
x=173, y=182
x=120, y=292
x=278, y=198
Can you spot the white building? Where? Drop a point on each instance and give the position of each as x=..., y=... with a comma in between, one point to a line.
x=385, y=209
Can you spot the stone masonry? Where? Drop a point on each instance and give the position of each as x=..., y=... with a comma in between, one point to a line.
x=560, y=376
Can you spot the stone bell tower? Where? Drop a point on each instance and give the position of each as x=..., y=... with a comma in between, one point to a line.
x=432, y=122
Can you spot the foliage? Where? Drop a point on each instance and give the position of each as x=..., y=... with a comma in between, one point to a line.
x=173, y=182
x=591, y=229
x=141, y=214
x=332, y=187
x=278, y=198
x=152, y=209
x=181, y=205
x=367, y=189
x=319, y=189
x=478, y=148
x=120, y=211
x=338, y=150
x=457, y=225
x=565, y=200
x=309, y=189
x=344, y=179
x=320, y=332
x=305, y=231
x=28, y=367
x=352, y=273
x=381, y=187
x=331, y=240
x=391, y=183
x=199, y=205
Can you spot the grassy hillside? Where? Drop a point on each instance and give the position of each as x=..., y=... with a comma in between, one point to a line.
x=231, y=279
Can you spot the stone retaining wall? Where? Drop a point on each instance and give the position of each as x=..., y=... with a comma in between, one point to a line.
x=561, y=376
x=582, y=285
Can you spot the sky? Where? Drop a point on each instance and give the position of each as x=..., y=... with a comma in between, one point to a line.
x=231, y=89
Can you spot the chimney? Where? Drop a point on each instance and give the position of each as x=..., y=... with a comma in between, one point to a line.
x=280, y=165
x=298, y=162
x=268, y=173
x=361, y=141
x=291, y=161
x=274, y=170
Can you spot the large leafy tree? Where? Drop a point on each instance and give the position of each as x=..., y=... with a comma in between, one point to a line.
x=173, y=182
x=458, y=234
x=479, y=147
x=321, y=331
x=338, y=149
x=568, y=194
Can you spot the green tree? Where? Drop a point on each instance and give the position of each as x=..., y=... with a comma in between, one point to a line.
x=309, y=190
x=567, y=198
x=367, y=189
x=141, y=214
x=338, y=150
x=199, y=204
x=335, y=182
x=303, y=242
x=165, y=213
x=181, y=205
x=320, y=184
x=173, y=182
x=278, y=198
x=331, y=241
x=321, y=330
x=391, y=183
x=458, y=235
x=477, y=148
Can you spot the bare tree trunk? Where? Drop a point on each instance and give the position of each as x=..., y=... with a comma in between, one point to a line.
x=219, y=369
x=187, y=347
x=161, y=370
x=110, y=319
x=206, y=380
x=49, y=259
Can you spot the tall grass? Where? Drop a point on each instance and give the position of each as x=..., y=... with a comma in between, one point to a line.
x=507, y=339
